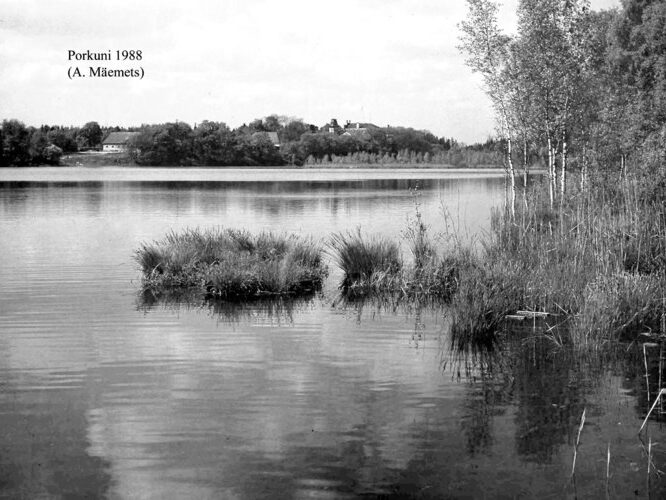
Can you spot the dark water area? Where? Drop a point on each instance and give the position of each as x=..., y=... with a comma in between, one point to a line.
x=105, y=393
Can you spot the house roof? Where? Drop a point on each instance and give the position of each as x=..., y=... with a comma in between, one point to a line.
x=119, y=137
x=332, y=124
x=357, y=125
x=358, y=133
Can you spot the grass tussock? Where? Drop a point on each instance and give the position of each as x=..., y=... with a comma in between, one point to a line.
x=368, y=262
x=232, y=264
x=373, y=266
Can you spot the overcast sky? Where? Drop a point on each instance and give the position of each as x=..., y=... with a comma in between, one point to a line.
x=390, y=62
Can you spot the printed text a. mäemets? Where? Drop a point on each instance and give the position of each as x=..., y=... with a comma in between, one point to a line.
x=104, y=72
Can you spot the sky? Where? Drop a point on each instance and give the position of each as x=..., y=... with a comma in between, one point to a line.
x=390, y=62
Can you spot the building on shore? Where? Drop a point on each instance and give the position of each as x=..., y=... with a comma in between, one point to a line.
x=117, y=142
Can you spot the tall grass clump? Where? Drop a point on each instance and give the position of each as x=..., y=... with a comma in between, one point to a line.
x=368, y=262
x=232, y=264
x=481, y=302
x=416, y=234
x=373, y=266
x=619, y=306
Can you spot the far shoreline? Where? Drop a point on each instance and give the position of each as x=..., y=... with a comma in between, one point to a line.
x=116, y=173
x=90, y=159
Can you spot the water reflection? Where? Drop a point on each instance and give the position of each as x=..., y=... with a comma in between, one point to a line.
x=645, y=368
x=522, y=403
x=45, y=444
x=279, y=309
x=541, y=392
x=286, y=411
x=308, y=206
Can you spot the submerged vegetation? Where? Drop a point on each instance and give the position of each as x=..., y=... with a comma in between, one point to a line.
x=231, y=264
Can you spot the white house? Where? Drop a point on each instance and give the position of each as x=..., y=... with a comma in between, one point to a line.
x=116, y=142
x=359, y=130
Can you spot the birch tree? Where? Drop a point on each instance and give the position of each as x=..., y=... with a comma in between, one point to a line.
x=551, y=35
x=487, y=50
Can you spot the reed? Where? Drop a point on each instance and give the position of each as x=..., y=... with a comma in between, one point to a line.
x=659, y=396
x=608, y=460
x=480, y=304
x=575, y=453
x=232, y=264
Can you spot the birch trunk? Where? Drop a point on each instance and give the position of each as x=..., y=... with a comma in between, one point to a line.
x=512, y=179
x=623, y=165
x=525, y=167
x=551, y=172
x=525, y=171
x=563, y=174
x=583, y=173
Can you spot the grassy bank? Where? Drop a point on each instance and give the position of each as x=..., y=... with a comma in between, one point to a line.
x=596, y=262
x=96, y=159
x=231, y=264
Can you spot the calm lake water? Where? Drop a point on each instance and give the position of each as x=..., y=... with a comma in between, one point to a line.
x=106, y=394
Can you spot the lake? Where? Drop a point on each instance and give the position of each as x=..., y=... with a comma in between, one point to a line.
x=106, y=393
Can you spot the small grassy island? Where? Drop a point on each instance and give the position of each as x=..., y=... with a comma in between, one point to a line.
x=232, y=265
x=373, y=266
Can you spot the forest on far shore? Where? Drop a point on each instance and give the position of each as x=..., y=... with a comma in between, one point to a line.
x=275, y=140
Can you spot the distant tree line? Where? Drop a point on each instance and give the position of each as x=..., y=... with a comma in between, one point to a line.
x=21, y=145
x=215, y=144
x=480, y=155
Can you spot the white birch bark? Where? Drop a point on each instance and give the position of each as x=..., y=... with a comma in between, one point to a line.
x=512, y=179
x=551, y=172
x=563, y=173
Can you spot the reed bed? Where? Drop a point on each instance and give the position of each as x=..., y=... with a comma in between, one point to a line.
x=597, y=261
x=232, y=264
